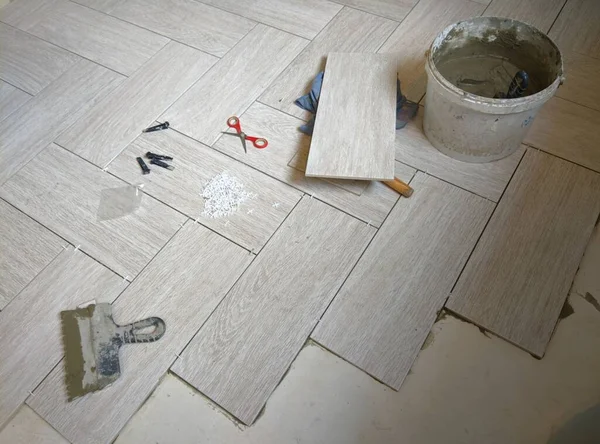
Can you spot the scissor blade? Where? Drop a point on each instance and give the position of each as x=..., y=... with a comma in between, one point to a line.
x=244, y=143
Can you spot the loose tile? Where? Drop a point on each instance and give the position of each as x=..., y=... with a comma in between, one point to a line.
x=567, y=130
x=108, y=41
x=195, y=165
x=11, y=99
x=234, y=83
x=30, y=325
x=285, y=141
x=587, y=279
x=414, y=36
x=349, y=31
x=29, y=63
x=244, y=349
x=304, y=18
x=102, y=133
x=26, y=247
x=182, y=285
x=485, y=179
x=187, y=21
x=66, y=194
x=37, y=123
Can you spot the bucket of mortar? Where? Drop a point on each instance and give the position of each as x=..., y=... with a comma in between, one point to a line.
x=469, y=64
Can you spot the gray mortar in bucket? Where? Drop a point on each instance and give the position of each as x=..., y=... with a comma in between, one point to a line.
x=467, y=65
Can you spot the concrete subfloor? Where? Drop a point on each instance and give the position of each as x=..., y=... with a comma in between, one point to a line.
x=465, y=387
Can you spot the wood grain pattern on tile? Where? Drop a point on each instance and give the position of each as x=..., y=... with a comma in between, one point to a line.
x=539, y=13
x=349, y=31
x=385, y=309
x=30, y=325
x=234, y=83
x=26, y=248
x=485, y=179
x=66, y=194
x=582, y=74
x=244, y=349
x=187, y=21
x=415, y=34
x=29, y=63
x=354, y=186
x=37, y=123
x=182, y=285
x=101, y=134
x=101, y=38
x=567, y=130
x=518, y=277
x=393, y=9
x=101, y=5
x=576, y=28
x=195, y=165
x=11, y=99
x=372, y=206
x=353, y=137
x=304, y=18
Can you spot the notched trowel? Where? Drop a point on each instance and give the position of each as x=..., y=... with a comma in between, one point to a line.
x=92, y=341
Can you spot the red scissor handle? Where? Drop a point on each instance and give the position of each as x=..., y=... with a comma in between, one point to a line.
x=258, y=142
x=234, y=122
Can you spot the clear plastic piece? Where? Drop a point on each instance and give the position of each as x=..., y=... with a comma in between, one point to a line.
x=119, y=202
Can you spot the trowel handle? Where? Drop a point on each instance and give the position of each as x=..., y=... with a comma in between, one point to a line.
x=132, y=333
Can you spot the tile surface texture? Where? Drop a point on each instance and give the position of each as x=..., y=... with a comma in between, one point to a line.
x=394, y=9
x=244, y=349
x=353, y=137
x=349, y=31
x=567, y=130
x=26, y=248
x=518, y=276
x=51, y=112
x=413, y=37
x=235, y=81
x=576, y=28
x=383, y=313
x=29, y=63
x=30, y=325
x=285, y=141
x=539, y=13
x=11, y=99
x=582, y=73
x=485, y=179
x=118, y=45
x=68, y=195
x=187, y=21
x=195, y=165
x=304, y=18
x=102, y=133
x=183, y=297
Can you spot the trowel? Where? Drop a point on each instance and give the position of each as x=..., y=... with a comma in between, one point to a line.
x=92, y=342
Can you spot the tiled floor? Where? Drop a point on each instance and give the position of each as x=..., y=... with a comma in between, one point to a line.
x=243, y=359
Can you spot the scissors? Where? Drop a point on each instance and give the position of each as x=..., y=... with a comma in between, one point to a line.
x=258, y=142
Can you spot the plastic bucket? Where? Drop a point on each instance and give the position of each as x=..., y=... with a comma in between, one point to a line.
x=468, y=64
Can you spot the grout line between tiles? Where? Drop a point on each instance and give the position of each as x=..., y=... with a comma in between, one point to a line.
x=556, y=18
x=533, y=147
x=356, y=8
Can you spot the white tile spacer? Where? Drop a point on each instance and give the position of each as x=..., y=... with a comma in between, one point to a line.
x=179, y=356
x=65, y=247
x=197, y=219
x=369, y=223
x=275, y=204
x=250, y=211
x=125, y=279
x=76, y=248
x=30, y=392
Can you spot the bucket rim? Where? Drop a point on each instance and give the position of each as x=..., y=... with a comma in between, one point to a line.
x=522, y=103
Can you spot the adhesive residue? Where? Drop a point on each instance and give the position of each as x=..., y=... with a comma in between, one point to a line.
x=223, y=196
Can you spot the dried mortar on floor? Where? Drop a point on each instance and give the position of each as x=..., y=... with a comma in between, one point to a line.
x=223, y=196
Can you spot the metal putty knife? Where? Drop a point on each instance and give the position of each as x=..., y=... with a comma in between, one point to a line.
x=92, y=341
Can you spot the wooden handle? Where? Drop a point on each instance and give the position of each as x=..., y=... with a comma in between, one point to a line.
x=399, y=186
